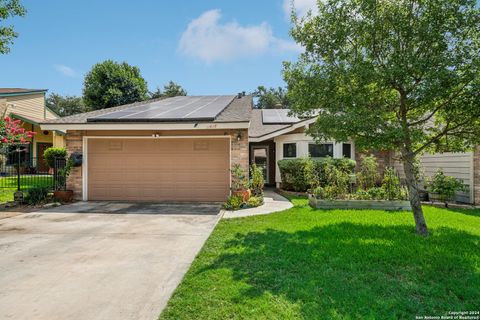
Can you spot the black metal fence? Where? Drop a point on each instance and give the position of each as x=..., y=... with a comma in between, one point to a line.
x=24, y=173
x=59, y=176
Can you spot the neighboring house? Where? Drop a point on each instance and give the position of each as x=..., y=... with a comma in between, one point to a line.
x=181, y=148
x=28, y=105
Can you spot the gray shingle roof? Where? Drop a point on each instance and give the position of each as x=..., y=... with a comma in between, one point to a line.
x=237, y=111
x=258, y=128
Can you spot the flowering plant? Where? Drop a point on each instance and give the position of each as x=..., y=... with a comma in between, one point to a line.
x=11, y=132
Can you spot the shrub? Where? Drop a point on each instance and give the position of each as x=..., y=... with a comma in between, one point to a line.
x=300, y=175
x=233, y=202
x=239, y=179
x=37, y=195
x=311, y=173
x=52, y=153
x=445, y=186
x=391, y=184
x=257, y=183
x=292, y=174
x=368, y=175
x=255, y=202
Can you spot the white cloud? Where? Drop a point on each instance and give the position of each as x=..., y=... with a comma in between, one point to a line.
x=65, y=70
x=301, y=7
x=209, y=40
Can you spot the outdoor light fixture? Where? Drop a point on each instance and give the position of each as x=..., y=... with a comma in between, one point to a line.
x=239, y=136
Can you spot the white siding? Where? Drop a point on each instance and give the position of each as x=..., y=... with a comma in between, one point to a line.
x=458, y=165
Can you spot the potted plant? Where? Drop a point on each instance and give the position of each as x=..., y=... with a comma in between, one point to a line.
x=53, y=153
x=61, y=193
x=444, y=188
x=240, y=183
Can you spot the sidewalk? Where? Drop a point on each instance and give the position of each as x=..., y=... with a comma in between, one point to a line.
x=273, y=202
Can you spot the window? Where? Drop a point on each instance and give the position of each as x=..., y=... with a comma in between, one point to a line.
x=347, y=150
x=12, y=157
x=289, y=150
x=320, y=150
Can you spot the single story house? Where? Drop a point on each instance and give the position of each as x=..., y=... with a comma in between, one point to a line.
x=28, y=105
x=181, y=148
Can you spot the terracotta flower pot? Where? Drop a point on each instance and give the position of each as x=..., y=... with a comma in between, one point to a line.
x=63, y=195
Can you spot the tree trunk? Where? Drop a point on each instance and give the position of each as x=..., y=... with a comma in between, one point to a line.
x=412, y=184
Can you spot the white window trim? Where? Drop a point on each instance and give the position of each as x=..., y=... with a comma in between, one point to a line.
x=296, y=150
x=334, y=147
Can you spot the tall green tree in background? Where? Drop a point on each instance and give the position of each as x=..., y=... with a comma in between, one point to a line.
x=269, y=98
x=65, y=105
x=391, y=74
x=111, y=84
x=171, y=89
x=9, y=9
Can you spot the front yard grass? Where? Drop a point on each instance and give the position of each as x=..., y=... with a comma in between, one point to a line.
x=338, y=264
x=8, y=185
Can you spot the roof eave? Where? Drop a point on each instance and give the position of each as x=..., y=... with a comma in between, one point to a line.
x=279, y=132
x=12, y=94
x=145, y=126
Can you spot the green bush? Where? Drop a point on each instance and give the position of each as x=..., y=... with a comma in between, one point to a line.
x=234, y=202
x=52, y=153
x=258, y=182
x=37, y=195
x=391, y=184
x=239, y=179
x=445, y=186
x=301, y=174
x=368, y=176
x=254, y=202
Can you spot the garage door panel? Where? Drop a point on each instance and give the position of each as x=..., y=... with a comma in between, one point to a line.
x=179, y=169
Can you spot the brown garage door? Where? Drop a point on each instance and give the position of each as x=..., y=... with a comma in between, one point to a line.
x=177, y=169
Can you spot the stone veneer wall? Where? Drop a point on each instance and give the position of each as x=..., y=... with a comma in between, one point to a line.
x=476, y=176
x=74, y=143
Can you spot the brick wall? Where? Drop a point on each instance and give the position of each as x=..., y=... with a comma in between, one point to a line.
x=74, y=140
x=384, y=158
x=476, y=176
x=74, y=143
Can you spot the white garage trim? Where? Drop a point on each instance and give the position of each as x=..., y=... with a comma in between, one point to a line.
x=85, y=152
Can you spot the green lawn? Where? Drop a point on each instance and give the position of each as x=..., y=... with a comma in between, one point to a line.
x=316, y=264
x=8, y=185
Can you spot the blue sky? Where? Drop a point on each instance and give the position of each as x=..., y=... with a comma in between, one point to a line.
x=208, y=46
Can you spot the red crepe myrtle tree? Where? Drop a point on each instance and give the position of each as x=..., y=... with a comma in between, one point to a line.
x=12, y=133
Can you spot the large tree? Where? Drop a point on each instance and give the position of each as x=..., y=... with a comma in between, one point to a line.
x=171, y=89
x=65, y=105
x=9, y=9
x=269, y=98
x=111, y=84
x=391, y=74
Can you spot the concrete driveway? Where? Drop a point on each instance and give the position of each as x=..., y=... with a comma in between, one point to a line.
x=98, y=260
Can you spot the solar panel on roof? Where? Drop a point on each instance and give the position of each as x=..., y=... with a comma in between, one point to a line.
x=278, y=116
x=171, y=109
